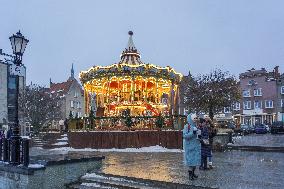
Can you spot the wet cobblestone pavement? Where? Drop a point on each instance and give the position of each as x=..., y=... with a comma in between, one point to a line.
x=266, y=140
x=234, y=169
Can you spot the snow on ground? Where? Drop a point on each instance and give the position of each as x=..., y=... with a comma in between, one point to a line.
x=64, y=138
x=27, y=137
x=94, y=175
x=60, y=143
x=143, y=149
x=36, y=166
x=96, y=185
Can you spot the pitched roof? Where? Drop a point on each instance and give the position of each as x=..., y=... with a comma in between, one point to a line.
x=60, y=88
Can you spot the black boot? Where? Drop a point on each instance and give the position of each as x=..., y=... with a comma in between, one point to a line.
x=190, y=175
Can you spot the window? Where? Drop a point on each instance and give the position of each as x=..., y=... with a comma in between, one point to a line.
x=237, y=106
x=247, y=105
x=257, y=92
x=78, y=105
x=12, y=83
x=282, y=90
x=257, y=104
x=252, y=82
x=76, y=94
x=227, y=110
x=282, y=102
x=79, y=114
x=246, y=93
x=73, y=114
x=72, y=104
x=268, y=104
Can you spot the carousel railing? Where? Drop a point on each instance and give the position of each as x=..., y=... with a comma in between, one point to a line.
x=175, y=122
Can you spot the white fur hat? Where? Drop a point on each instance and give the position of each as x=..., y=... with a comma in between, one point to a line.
x=193, y=116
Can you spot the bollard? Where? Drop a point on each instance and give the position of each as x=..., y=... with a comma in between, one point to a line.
x=230, y=137
x=25, y=152
x=1, y=148
x=5, y=150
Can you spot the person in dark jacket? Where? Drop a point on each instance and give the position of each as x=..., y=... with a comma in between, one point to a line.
x=205, y=147
x=212, y=133
x=9, y=133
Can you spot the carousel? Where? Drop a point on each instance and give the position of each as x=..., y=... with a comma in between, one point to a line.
x=130, y=85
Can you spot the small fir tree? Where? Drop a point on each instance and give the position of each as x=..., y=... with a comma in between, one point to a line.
x=160, y=121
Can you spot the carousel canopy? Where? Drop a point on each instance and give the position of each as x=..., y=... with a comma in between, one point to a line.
x=130, y=65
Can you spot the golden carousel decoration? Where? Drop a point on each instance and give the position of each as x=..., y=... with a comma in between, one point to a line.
x=143, y=89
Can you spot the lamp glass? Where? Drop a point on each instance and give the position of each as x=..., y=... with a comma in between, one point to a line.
x=18, y=43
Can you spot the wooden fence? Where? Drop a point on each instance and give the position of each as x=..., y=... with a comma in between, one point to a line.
x=125, y=139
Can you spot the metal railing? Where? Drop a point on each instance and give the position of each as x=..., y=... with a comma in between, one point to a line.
x=5, y=151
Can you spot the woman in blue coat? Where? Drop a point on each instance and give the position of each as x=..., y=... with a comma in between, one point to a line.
x=191, y=145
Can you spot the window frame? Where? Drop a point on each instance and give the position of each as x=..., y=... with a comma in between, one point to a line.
x=226, y=112
x=72, y=104
x=259, y=92
x=260, y=102
x=246, y=107
x=248, y=91
x=237, y=106
x=269, y=104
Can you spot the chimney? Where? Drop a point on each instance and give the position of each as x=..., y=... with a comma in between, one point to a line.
x=50, y=82
x=276, y=72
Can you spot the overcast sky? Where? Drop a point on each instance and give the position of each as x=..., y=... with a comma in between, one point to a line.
x=195, y=36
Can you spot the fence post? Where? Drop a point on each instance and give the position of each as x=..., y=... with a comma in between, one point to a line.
x=25, y=152
x=5, y=150
x=1, y=148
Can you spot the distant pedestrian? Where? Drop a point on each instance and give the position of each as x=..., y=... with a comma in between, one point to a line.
x=191, y=145
x=205, y=146
x=66, y=125
x=9, y=133
x=2, y=135
x=212, y=133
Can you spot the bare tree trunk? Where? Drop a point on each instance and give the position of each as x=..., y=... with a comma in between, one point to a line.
x=211, y=113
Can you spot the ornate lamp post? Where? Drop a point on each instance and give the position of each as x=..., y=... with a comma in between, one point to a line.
x=18, y=43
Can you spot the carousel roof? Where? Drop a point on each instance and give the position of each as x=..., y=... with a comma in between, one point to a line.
x=130, y=65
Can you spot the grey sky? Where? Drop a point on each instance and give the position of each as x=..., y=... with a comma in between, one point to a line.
x=186, y=35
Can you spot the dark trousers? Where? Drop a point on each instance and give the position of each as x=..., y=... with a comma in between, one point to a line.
x=204, y=162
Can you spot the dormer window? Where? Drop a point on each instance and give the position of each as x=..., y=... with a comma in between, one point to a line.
x=252, y=82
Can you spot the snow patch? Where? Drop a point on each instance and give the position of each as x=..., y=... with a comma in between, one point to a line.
x=60, y=143
x=36, y=166
x=26, y=137
x=64, y=138
x=143, y=149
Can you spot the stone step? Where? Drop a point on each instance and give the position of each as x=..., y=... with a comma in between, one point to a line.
x=131, y=182
x=118, y=183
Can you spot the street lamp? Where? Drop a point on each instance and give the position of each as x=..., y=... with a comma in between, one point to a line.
x=18, y=43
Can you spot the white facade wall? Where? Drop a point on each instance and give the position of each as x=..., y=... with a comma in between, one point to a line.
x=3, y=92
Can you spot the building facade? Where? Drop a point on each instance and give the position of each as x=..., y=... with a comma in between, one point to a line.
x=280, y=101
x=8, y=94
x=71, y=97
x=259, y=101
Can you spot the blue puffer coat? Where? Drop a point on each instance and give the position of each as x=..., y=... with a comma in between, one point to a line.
x=191, y=144
x=205, y=149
